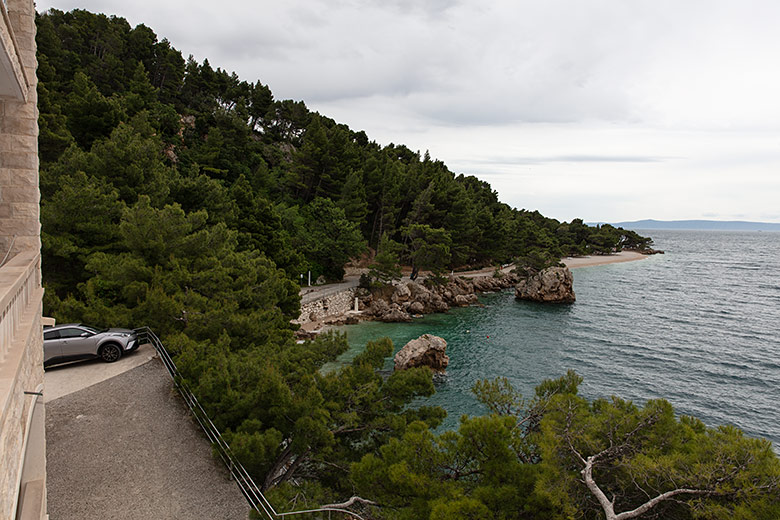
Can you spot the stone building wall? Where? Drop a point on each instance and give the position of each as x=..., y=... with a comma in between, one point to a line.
x=22, y=444
x=19, y=193
x=14, y=420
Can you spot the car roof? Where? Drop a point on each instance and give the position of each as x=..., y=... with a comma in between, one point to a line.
x=65, y=325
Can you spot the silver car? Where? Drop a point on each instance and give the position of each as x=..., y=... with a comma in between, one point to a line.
x=74, y=341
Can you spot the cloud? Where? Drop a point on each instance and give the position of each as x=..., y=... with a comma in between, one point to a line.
x=674, y=101
x=431, y=8
x=530, y=160
x=486, y=63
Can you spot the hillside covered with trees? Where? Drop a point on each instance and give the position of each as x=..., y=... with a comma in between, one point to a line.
x=179, y=196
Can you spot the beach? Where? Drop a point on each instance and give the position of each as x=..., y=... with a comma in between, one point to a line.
x=587, y=261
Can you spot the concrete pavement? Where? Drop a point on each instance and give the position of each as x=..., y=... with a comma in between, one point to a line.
x=61, y=380
x=124, y=447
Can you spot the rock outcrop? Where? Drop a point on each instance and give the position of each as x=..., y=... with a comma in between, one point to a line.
x=401, y=302
x=427, y=350
x=395, y=314
x=554, y=284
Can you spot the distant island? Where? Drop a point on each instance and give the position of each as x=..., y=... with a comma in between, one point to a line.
x=705, y=225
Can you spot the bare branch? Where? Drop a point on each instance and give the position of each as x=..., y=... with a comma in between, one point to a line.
x=608, y=506
x=647, y=506
x=349, y=503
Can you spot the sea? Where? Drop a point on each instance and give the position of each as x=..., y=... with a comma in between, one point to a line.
x=698, y=326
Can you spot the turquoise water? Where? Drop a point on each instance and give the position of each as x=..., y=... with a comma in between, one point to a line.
x=698, y=326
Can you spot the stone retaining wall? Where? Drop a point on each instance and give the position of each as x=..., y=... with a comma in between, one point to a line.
x=330, y=306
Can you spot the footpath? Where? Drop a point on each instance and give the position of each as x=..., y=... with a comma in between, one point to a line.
x=121, y=445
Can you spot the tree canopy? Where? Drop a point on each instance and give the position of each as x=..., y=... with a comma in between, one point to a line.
x=557, y=456
x=176, y=195
x=128, y=110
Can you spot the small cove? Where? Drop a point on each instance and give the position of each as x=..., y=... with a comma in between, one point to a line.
x=696, y=326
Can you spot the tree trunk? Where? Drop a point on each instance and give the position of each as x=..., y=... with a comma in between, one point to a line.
x=281, y=461
x=608, y=506
x=291, y=470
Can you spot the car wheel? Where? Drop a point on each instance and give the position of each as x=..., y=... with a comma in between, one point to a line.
x=110, y=353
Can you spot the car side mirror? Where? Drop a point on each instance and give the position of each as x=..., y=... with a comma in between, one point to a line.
x=84, y=334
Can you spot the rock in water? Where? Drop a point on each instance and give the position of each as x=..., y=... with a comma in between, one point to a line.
x=554, y=284
x=427, y=350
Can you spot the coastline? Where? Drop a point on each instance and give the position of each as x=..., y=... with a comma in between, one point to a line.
x=588, y=261
x=314, y=293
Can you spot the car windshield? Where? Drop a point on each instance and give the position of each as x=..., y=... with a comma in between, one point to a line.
x=93, y=330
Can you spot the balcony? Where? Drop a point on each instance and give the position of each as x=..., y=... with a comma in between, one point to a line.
x=13, y=78
x=22, y=448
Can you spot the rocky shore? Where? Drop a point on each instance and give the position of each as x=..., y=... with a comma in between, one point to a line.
x=409, y=299
x=551, y=285
x=398, y=303
x=403, y=302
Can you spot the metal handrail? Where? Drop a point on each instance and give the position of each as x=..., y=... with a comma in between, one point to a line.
x=248, y=488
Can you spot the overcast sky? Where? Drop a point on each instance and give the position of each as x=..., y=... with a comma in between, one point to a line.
x=607, y=110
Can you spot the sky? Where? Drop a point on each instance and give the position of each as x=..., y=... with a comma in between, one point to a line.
x=605, y=110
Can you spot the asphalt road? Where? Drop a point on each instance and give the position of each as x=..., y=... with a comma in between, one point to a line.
x=126, y=449
x=318, y=292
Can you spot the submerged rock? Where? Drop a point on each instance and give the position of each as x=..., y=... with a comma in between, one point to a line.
x=554, y=285
x=427, y=350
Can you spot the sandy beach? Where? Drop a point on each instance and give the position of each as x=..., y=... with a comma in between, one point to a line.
x=587, y=261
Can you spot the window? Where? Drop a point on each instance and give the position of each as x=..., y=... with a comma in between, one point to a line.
x=71, y=332
x=51, y=334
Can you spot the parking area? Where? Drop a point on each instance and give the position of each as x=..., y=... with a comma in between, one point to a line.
x=61, y=380
x=121, y=445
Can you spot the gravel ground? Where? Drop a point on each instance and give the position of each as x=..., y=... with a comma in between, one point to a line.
x=127, y=449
